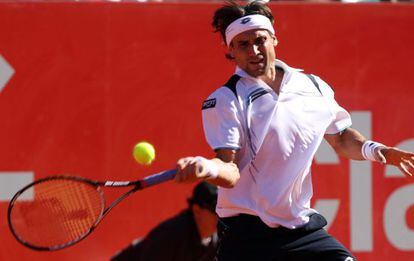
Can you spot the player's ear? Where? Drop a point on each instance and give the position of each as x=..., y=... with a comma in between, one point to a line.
x=230, y=51
x=275, y=41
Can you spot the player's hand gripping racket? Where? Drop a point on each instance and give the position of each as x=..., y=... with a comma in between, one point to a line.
x=65, y=209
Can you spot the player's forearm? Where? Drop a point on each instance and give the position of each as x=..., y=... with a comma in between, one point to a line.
x=215, y=171
x=353, y=145
x=228, y=174
x=347, y=143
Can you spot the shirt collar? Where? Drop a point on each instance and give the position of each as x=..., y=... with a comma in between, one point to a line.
x=278, y=63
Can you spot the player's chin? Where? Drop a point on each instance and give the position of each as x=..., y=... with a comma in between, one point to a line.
x=257, y=72
x=258, y=69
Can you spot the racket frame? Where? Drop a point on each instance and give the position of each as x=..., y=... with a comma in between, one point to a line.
x=137, y=185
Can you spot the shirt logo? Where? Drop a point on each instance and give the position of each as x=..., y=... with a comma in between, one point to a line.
x=211, y=103
x=246, y=20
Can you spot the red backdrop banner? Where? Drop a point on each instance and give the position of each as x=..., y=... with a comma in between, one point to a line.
x=81, y=83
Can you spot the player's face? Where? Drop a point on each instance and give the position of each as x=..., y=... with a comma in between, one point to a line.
x=254, y=52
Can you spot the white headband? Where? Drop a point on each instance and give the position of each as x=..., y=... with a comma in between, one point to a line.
x=246, y=23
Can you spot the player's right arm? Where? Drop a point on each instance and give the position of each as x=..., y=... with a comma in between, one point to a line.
x=224, y=165
x=222, y=123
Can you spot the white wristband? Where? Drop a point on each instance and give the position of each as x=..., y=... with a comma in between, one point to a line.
x=369, y=150
x=210, y=167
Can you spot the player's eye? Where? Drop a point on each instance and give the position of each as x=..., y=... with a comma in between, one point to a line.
x=260, y=40
x=243, y=44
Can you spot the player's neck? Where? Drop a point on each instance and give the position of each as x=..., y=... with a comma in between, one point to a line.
x=273, y=78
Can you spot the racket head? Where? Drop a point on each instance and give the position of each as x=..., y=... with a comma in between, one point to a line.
x=55, y=212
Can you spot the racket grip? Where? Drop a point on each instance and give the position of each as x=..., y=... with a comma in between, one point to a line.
x=158, y=178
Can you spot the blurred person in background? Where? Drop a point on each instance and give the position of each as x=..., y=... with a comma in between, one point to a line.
x=189, y=236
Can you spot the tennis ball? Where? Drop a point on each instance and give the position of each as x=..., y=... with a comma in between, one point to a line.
x=144, y=153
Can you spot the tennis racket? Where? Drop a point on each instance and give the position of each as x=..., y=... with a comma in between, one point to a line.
x=63, y=210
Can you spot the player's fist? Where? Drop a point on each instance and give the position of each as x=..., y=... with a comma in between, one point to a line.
x=190, y=169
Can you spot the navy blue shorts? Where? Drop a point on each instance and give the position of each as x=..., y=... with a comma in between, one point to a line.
x=246, y=237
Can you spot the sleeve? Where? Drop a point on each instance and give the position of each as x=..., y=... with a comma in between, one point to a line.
x=342, y=118
x=222, y=120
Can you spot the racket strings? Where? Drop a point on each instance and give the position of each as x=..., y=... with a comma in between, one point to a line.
x=61, y=211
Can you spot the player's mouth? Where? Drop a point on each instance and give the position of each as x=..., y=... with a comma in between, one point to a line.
x=258, y=62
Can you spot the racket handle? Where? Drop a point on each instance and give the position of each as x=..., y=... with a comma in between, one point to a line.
x=158, y=178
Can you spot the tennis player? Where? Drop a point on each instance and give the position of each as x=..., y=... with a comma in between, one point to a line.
x=265, y=125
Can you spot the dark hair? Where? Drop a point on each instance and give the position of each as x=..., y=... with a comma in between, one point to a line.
x=232, y=11
x=204, y=195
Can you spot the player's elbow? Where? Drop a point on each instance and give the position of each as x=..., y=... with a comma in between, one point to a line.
x=227, y=183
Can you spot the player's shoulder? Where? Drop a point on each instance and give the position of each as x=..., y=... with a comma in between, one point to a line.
x=229, y=88
x=325, y=88
x=316, y=82
x=225, y=94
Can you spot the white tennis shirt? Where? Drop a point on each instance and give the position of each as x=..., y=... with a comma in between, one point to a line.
x=277, y=137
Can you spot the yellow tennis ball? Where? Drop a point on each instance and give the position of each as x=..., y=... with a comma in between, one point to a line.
x=144, y=153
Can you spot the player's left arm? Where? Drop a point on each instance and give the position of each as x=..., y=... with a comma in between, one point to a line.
x=353, y=145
